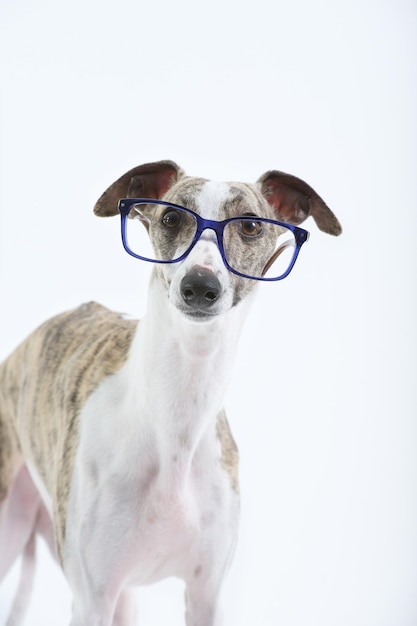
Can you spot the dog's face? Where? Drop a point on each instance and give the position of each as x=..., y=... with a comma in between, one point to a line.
x=200, y=286
x=203, y=270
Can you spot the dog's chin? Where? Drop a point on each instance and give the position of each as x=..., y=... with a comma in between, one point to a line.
x=198, y=316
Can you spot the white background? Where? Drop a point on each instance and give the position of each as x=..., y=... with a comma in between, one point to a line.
x=323, y=400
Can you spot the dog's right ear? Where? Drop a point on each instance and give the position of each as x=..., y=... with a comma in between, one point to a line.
x=151, y=180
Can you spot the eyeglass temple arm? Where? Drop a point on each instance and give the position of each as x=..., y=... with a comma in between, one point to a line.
x=276, y=254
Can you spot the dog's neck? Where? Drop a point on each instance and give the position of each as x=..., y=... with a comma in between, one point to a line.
x=179, y=371
x=178, y=361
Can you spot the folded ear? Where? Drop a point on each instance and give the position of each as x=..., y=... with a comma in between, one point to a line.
x=151, y=180
x=293, y=201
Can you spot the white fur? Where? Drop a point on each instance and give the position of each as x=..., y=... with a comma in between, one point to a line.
x=211, y=197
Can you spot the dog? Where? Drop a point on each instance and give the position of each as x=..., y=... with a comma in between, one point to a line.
x=114, y=444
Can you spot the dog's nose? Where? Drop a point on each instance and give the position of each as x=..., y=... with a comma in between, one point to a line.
x=200, y=288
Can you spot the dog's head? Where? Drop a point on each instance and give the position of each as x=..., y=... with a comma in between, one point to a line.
x=200, y=285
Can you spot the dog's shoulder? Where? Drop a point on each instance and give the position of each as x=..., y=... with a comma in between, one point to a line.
x=95, y=329
x=65, y=359
x=80, y=347
x=75, y=339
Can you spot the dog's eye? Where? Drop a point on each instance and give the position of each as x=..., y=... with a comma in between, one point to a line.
x=250, y=228
x=171, y=219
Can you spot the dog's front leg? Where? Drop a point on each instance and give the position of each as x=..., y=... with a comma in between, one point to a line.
x=125, y=613
x=98, y=598
x=202, y=606
x=203, y=587
x=97, y=555
x=94, y=599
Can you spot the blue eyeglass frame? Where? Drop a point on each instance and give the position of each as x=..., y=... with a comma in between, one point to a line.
x=125, y=204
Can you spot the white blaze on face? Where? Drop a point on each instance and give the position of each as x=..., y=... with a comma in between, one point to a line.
x=211, y=198
x=208, y=202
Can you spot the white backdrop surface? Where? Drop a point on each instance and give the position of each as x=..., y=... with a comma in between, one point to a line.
x=323, y=398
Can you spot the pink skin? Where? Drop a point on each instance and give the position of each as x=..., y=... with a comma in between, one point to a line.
x=23, y=515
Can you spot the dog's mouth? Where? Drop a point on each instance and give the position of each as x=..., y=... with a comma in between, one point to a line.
x=196, y=315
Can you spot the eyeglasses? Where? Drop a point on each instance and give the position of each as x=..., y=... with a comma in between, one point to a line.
x=253, y=247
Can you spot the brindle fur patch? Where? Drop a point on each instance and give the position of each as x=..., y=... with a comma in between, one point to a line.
x=230, y=454
x=44, y=385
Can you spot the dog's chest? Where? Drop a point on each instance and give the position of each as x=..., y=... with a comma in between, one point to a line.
x=161, y=529
x=170, y=536
x=160, y=506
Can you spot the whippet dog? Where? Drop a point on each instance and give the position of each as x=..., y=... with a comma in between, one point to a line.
x=113, y=440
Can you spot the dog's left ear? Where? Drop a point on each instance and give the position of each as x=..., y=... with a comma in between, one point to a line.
x=151, y=180
x=293, y=201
